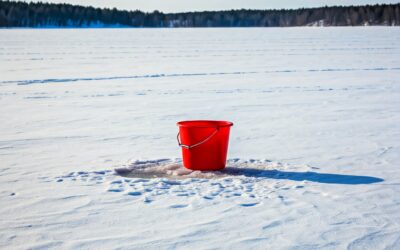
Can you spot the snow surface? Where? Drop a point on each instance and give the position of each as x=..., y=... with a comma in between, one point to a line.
x=88, y=151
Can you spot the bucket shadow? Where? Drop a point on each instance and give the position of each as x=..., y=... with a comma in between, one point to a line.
x=302, y=176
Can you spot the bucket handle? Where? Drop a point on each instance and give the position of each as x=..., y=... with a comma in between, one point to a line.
x=196, y=144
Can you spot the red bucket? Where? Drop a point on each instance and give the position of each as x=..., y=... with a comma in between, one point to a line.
x=204, y=144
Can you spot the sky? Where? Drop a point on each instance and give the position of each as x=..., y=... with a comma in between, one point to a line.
x=169, y=6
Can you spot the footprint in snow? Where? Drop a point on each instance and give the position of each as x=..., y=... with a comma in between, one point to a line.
x=248, y=204
x=134, y=193
x=178, y=206
x=95, y=176
x=116, y=190
x=116, y=186
x=147, y=200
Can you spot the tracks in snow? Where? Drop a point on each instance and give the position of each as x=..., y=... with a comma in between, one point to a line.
x=79, y=79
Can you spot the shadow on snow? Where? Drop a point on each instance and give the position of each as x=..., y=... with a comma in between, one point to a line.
x=254, y=172
x=302, y=176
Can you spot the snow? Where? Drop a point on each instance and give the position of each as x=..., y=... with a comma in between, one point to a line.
x=88, y=151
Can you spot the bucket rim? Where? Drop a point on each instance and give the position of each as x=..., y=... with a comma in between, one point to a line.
x=211, y=123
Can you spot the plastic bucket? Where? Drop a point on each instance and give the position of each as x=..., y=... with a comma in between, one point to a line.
x=204, y=144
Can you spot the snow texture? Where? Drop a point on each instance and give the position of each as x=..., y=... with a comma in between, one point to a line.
x=88, y=151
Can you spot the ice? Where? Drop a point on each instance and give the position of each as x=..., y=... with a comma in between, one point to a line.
x=89, y=157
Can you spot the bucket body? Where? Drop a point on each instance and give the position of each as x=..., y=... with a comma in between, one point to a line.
x=204, y=144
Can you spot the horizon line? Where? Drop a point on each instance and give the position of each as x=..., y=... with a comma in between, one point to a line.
x=199, y=11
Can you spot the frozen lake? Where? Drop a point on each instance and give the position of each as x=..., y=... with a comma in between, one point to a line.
x=316, y=114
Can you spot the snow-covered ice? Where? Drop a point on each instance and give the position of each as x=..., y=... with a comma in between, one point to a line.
x=88, y=151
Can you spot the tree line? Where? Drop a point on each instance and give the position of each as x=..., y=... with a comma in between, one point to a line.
x=22, y=14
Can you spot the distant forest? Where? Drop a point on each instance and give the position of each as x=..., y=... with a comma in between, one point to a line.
x=21, y=14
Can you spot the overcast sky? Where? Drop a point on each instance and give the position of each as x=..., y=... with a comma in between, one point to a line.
x=198, y=5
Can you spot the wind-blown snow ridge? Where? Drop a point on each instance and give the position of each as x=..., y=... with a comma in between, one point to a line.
x=64, y=80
